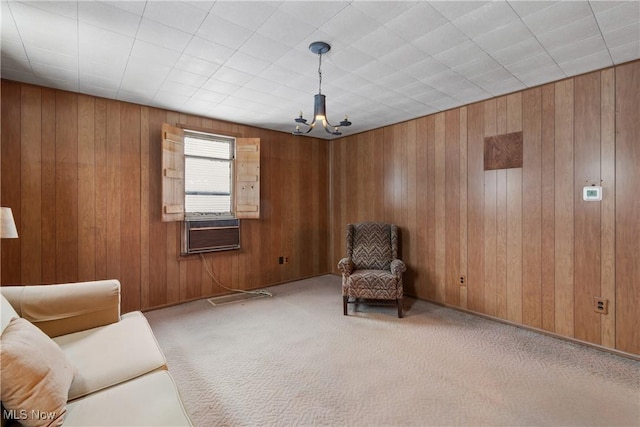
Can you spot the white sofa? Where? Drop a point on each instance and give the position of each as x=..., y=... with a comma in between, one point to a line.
x=117, y=372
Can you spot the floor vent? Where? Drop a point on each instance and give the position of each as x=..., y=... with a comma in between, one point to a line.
x=237, y=297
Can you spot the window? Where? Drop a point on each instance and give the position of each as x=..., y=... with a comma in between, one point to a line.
x=208, y=165
x=209, y=176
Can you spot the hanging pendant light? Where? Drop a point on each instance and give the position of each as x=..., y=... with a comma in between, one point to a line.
x=319, y=100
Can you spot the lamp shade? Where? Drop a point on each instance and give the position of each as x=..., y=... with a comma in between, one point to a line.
x=8, y=225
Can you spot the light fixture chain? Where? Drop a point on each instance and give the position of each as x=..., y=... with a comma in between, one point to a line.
x=320, y=73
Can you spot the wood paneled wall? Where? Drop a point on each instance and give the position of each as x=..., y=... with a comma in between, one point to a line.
x=82, y=175
x=526, y=246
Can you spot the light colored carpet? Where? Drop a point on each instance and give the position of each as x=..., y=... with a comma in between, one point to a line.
x=294, y=359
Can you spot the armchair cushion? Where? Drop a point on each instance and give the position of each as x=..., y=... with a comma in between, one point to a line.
x=37, y=384
x=373, y=284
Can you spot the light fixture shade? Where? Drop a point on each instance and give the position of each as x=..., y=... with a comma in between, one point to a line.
x=8, y=228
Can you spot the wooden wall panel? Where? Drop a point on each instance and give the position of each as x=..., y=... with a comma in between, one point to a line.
x=587, y=214
x=31, y=184
x=564, y=212
x=475, y=206
x=531, y=295
x=627, y=208
x=66, y=177
x=11, y=161
x=452, y=207
x=522, y=237
x=84, y=173
x=547, y=208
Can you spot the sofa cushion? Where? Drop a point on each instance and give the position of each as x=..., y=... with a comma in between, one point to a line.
x=35, y=375
x=111, y=354
x=7, y=312
x=151, y=400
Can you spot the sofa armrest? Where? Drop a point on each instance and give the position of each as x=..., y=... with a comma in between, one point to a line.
x=346, y=266
x=66, y=308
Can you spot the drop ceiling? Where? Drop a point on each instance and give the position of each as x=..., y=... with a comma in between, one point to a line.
x=248, y=62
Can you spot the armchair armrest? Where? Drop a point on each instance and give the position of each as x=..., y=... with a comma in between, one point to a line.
x=346, y=266
x=66, y=308
x=398, y=267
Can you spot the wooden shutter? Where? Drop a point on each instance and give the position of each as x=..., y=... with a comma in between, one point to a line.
x=247, y=173
x=172, y=173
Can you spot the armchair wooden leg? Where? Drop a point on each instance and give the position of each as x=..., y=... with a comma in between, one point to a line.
x=344, y=304
x=399, y=301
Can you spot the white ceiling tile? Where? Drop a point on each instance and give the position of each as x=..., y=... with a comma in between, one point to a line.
x=219, y=86
x=136, y=6
x=204, y=5
x=349, y=58
x=315, y=13
x=620, y=16
x=403, y=57
x=98, y=45
x=350, y=25
x=209, y=96
x=626, y=52
x=455, y=9
x=262, y=47
x=557, y=16
x=110, y=70
x=374, y=71
x=527, y=7
x=246, y=63
x=195, y=65
x=46, y=30
x=425, y=67
x=440, y=39
x=185, y=77
x=248, y=14
x=602, y=5
x=14, y=49
x=208, y=51
x=175, y=88
x=47, y=71
x=477, y=67
x=586, y=63
x=99, y=82
x=585, y=47
x=68, y=9
x=535, y=62
x=539, y=76
x=15, y=64
x=285, y=28
x=176, y=14
x=416, y=22
x=97, y=91
x=518, y=51
x=106, y=16
x=622, y=36
x=485, y=19
x=142, y=77
x=570, y=34
x=465, y=52
x=379, y=42
x=383, y=11
x=503, y=37
x=491, y=77
x=8, y=29
x=229, y=75
x=505, y=86
x=223, y=32
x=444, y=103
x=440, y=80
x=163, y=35
x=53, y=59
x=154, y=54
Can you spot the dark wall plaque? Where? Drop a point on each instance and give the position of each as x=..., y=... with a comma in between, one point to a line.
x=503, y=151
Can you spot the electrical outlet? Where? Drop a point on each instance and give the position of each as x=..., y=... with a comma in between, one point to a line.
x=463, y=280
x=601, y=305
x=286, y=260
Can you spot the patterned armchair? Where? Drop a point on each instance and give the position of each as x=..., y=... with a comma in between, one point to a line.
x=371, y=269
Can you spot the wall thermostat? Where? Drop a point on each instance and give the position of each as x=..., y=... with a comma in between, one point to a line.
x=592, y=193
